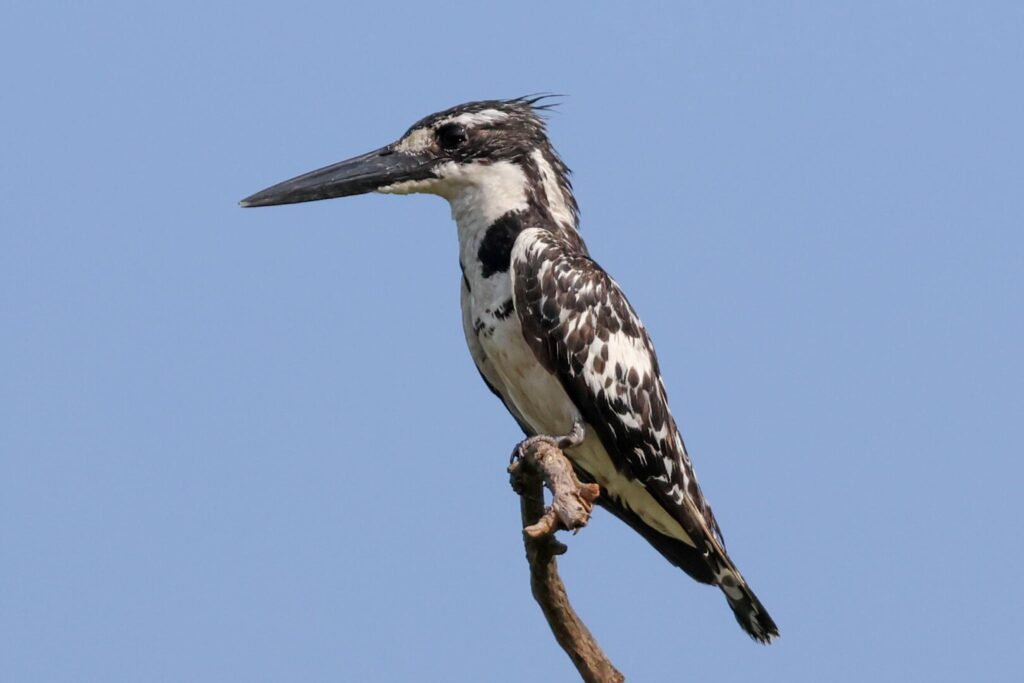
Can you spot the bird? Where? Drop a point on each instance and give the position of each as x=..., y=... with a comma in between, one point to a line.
x=551, y=333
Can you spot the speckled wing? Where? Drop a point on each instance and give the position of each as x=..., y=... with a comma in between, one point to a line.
x=581, y=327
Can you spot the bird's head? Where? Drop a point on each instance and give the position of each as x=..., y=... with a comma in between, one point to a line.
x=500, y=146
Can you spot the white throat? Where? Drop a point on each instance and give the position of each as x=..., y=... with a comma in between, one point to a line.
x=479, y=195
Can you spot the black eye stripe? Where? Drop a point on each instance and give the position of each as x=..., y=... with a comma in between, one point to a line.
x=451, y=136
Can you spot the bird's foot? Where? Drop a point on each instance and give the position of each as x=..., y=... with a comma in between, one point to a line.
x=573, y=438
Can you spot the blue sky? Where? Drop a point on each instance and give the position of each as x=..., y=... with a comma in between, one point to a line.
x=250, y=444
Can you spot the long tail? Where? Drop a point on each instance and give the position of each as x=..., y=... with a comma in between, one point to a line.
x=711, y=564
x=748, y=610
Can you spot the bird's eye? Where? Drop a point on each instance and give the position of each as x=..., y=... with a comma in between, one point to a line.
x=451, y=136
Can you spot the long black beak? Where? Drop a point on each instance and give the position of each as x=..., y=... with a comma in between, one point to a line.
x=362, y=174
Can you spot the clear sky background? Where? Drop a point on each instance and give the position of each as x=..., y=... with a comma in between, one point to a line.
x=249, y=445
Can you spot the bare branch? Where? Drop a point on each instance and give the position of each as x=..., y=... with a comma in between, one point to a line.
x=545, y=464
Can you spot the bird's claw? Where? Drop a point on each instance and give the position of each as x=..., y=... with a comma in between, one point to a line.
x=573, y=438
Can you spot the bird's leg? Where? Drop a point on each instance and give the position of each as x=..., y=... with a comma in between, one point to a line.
x=573, y=438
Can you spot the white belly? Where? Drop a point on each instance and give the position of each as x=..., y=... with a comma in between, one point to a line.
x=536, y=393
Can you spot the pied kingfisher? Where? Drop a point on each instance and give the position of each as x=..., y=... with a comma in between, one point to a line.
x=552, y=335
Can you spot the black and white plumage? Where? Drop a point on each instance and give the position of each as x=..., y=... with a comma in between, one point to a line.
x=552, y=335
